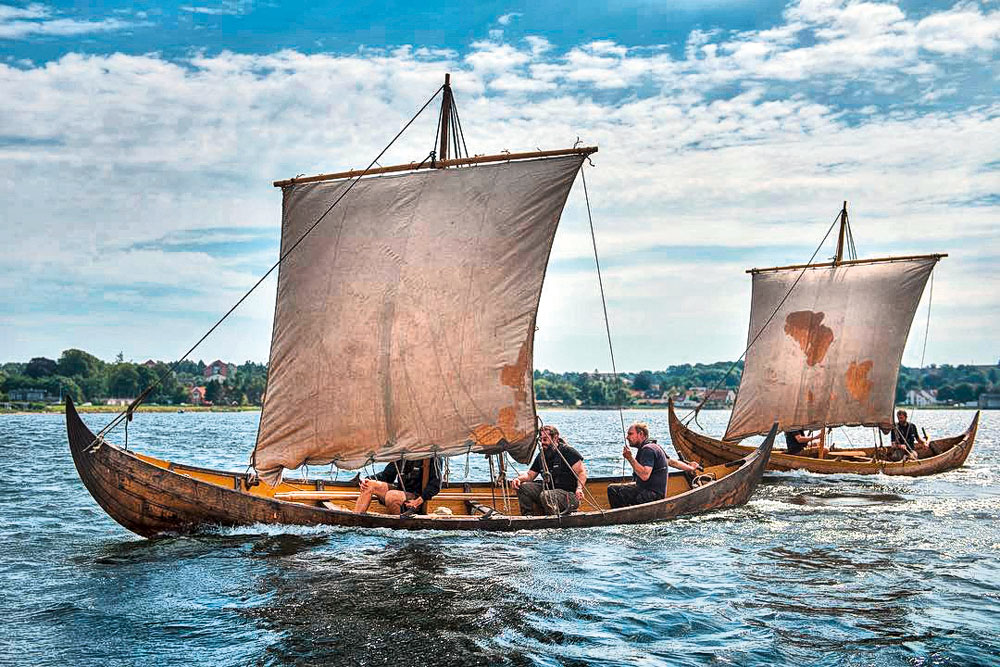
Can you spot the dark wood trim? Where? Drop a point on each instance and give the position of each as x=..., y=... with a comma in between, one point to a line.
x=413, y=166
x=851, y=262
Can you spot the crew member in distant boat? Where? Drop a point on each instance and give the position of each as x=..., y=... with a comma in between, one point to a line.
x=649, y=470
x=905, y=442
x=404, y=487
x=563, y=478
x=796, y=441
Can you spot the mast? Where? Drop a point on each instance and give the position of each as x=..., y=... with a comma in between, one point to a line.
x=445, y=118
x=840, y=238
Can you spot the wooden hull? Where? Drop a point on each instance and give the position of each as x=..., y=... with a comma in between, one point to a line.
x=150, y=496
x=709, y=451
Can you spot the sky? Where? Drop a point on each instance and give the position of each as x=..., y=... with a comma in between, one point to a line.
x=138, y=142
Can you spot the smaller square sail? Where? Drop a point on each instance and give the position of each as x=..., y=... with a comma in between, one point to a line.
x=405, y=321
x=830, y=356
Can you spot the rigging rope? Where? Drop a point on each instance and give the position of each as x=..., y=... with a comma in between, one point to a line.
x=117, y=420
x=604, y=306
x=927, y=330
x=694, y=413
x=458, y=124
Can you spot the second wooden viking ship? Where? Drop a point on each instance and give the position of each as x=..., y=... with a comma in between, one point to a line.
x=824, y=349
x=403, y=329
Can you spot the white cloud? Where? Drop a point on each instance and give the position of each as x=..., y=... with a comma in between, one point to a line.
x=32, y=11
x=37, y=19
x=960, y=30
x=507, y=18
x=715, y=152
x=224, y=8
x=538, y=45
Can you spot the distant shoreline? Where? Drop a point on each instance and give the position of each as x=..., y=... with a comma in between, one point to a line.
x=115, y=409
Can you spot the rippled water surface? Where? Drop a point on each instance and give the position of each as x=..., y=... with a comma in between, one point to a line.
x=814, y=570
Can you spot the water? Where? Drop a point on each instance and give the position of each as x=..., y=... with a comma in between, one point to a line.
x=814, y=570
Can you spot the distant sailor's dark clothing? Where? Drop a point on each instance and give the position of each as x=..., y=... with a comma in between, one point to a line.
x=651, y=455
x=561, y=471
x=412, y=476
x=904, y=434
x=792, y=443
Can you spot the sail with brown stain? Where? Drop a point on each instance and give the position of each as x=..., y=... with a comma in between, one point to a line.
x=404, y=324
x=830, y=355
x=806, y=328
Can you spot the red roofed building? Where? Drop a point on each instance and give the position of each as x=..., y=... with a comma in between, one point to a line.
x=197, y=396
x=219, y=371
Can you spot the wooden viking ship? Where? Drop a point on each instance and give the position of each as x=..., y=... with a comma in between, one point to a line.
x=824, y=349
x=151, y=496
x=403, y=329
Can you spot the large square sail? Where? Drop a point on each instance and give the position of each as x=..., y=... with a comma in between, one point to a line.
x=830, y=355
x=405, y=321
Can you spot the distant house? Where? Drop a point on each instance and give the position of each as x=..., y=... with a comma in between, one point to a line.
x=921, y=397
x=684, y=399
x=989, y=401
x=149, y=363
x=610, y=377
x=196, y=396
x=37, y=395
x=119, y=401
x=219, y=371
x=719, y=398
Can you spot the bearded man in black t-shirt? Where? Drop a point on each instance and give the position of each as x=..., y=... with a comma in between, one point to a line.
x=904, y=440
x=563, y=478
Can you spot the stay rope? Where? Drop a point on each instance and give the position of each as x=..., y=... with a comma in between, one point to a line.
x=604, y=306
x=128, y=411
x=694, y=413
x=927, y=330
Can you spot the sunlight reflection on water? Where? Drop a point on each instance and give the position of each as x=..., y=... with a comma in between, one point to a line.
x=815, y=569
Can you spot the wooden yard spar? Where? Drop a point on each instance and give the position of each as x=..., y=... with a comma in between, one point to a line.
x=404, y=328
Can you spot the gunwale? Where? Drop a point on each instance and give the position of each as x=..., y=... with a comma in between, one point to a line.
x=709, y=451
x=149, y=496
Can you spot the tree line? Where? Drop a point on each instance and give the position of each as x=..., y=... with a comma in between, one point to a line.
x=598, y=389
x=85, y=377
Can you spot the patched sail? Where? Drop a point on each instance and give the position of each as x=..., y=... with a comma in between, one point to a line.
x=830, y=355
x=404, y=322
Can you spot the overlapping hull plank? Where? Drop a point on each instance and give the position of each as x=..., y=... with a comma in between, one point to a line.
x=150, y=496
x=709, y=451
